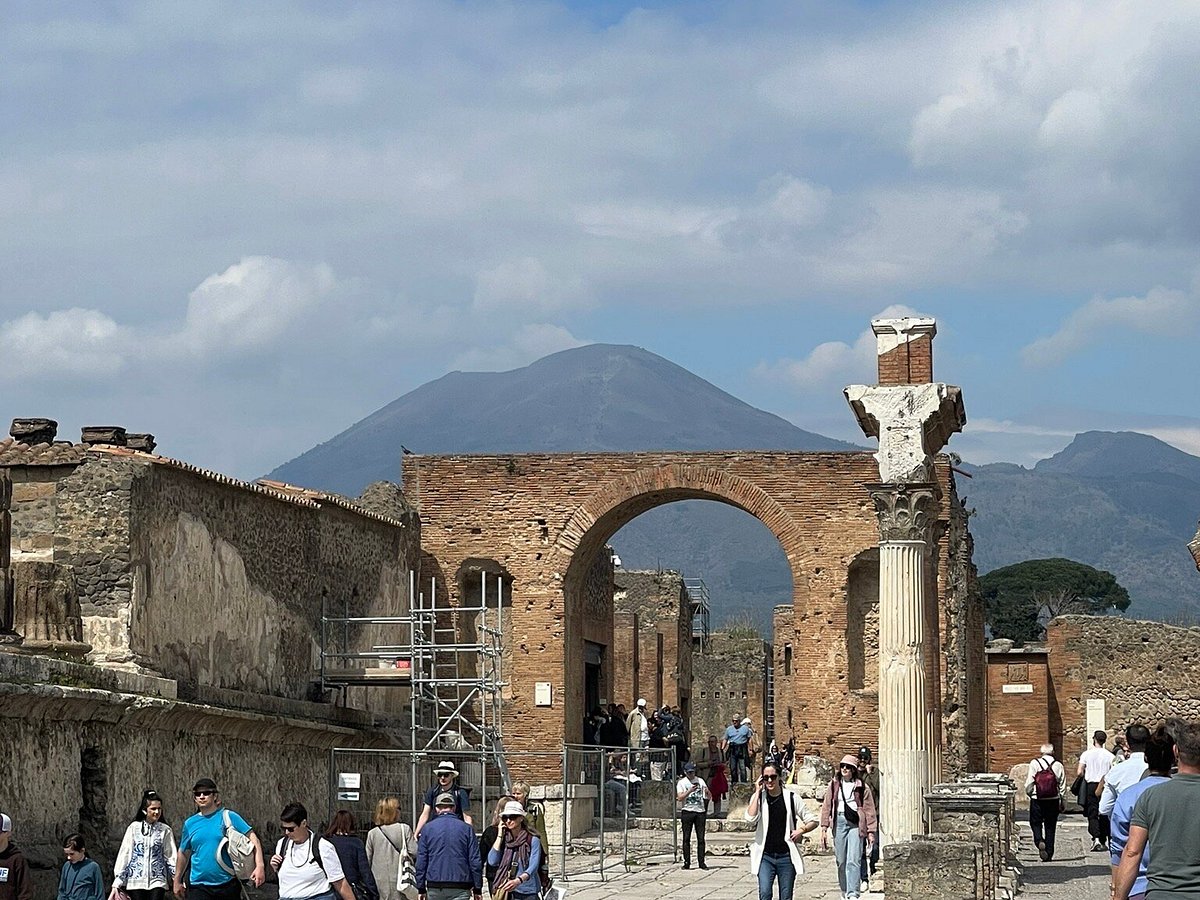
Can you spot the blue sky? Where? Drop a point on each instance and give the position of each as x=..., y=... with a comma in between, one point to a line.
x=246, y=226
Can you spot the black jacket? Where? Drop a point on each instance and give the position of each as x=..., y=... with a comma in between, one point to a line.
x=18, y=886
x=353, y=857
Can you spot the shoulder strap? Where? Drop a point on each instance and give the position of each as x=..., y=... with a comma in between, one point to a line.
x=316, y=840
x=225, y=818
x=388, y=838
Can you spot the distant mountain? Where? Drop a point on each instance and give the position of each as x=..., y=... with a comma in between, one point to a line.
x=600, y=397
x=1122, y=501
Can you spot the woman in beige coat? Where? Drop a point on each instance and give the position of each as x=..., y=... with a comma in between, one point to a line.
x=389, y=844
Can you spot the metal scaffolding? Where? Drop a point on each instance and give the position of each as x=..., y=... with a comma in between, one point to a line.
x=450, y=658
x=698, y=597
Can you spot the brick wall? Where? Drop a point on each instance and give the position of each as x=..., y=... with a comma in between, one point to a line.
x=660, y=603
x=911, y=362
x=545, y=516
x=729, y=682
x=1018, y=706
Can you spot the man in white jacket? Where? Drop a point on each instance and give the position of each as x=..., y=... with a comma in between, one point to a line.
x=781, y=819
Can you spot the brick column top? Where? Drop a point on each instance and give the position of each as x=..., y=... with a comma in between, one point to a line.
x=905, y=349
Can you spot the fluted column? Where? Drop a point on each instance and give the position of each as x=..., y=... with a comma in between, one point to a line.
x=907, y=514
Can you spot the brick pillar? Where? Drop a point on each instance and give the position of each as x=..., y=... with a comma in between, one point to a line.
x=905, y=349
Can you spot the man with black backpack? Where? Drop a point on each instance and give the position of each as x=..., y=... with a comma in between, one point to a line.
x=1044, y=784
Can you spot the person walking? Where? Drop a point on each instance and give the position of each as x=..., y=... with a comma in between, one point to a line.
x=1158, y=755
x=692, y=794
x=308, y=867
x=849, y=809
x=447, y=783
x=343, y=834
x=145, y=865
x=202, y=865
x=1121, y=776
x=448, y=863
x=489, y=837
x=1167, y=819
x=780, y=818
x=869, y=773
x=81, y=878
x=516, y=854
x=1094, y=766
x=1044, y=784
x=737, y=737
x=16, y=884
x=535, y=821
x=391, y=851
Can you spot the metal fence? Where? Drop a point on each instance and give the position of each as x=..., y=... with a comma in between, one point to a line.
x=603, y=807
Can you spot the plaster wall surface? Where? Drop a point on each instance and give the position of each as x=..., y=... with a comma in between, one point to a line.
x=730, y=680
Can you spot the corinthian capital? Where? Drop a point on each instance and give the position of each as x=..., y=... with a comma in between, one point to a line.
x=906, y=512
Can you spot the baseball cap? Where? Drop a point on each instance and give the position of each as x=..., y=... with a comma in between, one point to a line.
x=5, y=823
x=689, y=767
x=204, y=784
x=641, y=701
x=746, y=721
x=444, y=800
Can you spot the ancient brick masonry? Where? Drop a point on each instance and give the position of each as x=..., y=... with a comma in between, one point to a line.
x=657, y=610
x=545, y=517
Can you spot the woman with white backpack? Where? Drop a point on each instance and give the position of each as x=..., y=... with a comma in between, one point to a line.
x=392, y=853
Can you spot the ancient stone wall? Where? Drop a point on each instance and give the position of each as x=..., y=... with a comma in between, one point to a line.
x=730, y=681
x=1018, y=705
x=1140, y=671
x=545, y=516
x=662, y=608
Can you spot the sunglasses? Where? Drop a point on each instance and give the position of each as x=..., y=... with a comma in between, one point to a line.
x=509, y=818
x=203, y=793
x=445, y=774
x=288, y=829
x=849, y=768
x=770, y=777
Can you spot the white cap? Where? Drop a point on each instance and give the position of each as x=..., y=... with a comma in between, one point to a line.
x=513, y=808
x=641, y=701
x=5, y=823
x=746, y=721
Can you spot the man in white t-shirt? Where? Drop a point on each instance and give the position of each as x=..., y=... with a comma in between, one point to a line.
x=308, y=865
x=1094, y=765
x=692, y=794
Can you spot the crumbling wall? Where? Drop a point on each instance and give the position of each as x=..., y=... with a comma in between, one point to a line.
x=963, y=689
x=730, y=678
x=1141, y=671
x=660, y=602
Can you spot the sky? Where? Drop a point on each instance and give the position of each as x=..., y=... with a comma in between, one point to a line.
x=244, y=227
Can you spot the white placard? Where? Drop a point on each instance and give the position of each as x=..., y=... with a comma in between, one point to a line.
x=1016, y=689
x=1095, y=720
x=351, y=781
x=543, y=694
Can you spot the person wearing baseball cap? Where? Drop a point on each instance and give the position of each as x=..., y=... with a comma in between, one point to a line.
x=449, y=864
x=693, y=797
x=446, y=782
x=15, y=883
x=203, y=869
x=849, y=808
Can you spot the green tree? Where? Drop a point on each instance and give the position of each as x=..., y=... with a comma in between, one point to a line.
x=1022, y=597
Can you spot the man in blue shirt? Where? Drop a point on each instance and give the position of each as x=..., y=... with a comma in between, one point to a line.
x=199, y=844
x=1159, y=759
x=449, y=865
x=737, y=739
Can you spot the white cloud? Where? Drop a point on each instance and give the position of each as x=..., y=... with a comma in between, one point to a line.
x=1163, y=311
x=834, y=363
x=523, y=285
x=252, y=304
x=526, y=344
x=68, y=343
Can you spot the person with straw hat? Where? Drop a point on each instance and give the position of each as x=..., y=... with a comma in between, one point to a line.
x=446, y=782
x=516, y=854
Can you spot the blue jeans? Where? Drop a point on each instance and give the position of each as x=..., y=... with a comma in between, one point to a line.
x=773, y=867
x=738, y=770
x=848, y=850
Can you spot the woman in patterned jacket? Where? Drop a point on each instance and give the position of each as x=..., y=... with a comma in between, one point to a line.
x=145, y=864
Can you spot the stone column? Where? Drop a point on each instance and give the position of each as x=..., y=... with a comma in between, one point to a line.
x=907, y=513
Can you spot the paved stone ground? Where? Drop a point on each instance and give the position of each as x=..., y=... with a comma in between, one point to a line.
x=1075, y=873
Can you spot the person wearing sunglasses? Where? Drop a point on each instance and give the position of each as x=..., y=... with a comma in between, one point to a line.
x=516, y=854
x=145, y=865
x=780, y=819
x=849, y=809
x=203, y=867
x=446, y=782
x=309, y=867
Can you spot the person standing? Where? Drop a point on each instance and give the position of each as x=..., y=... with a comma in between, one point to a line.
x=1094, y=765
x=1159, y=757
x=1130, y=770
x=780, y=818
x=1167, y=818
x=81, y=878
x=448, y=862
x=869, y=773
x=343, y=834
x=489, y=837
x=737, y=739
x=390, y=847
x=202, y=867
x=447, y=783
x=692, y=794
x=14, y=883
x=516, y=854
x=535, y=821
x=308, y=867
x=145, y=865
x=849, y=809
x=637, y=725
x=1044, y=783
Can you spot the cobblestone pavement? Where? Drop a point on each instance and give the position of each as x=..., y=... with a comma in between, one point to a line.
x=1074, y=874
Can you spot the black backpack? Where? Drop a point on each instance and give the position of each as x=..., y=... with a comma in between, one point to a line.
x=316, y=855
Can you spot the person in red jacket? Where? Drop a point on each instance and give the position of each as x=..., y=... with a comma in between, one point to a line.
x=15, y=883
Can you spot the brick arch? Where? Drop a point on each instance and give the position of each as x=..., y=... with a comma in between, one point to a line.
x=621, y=500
